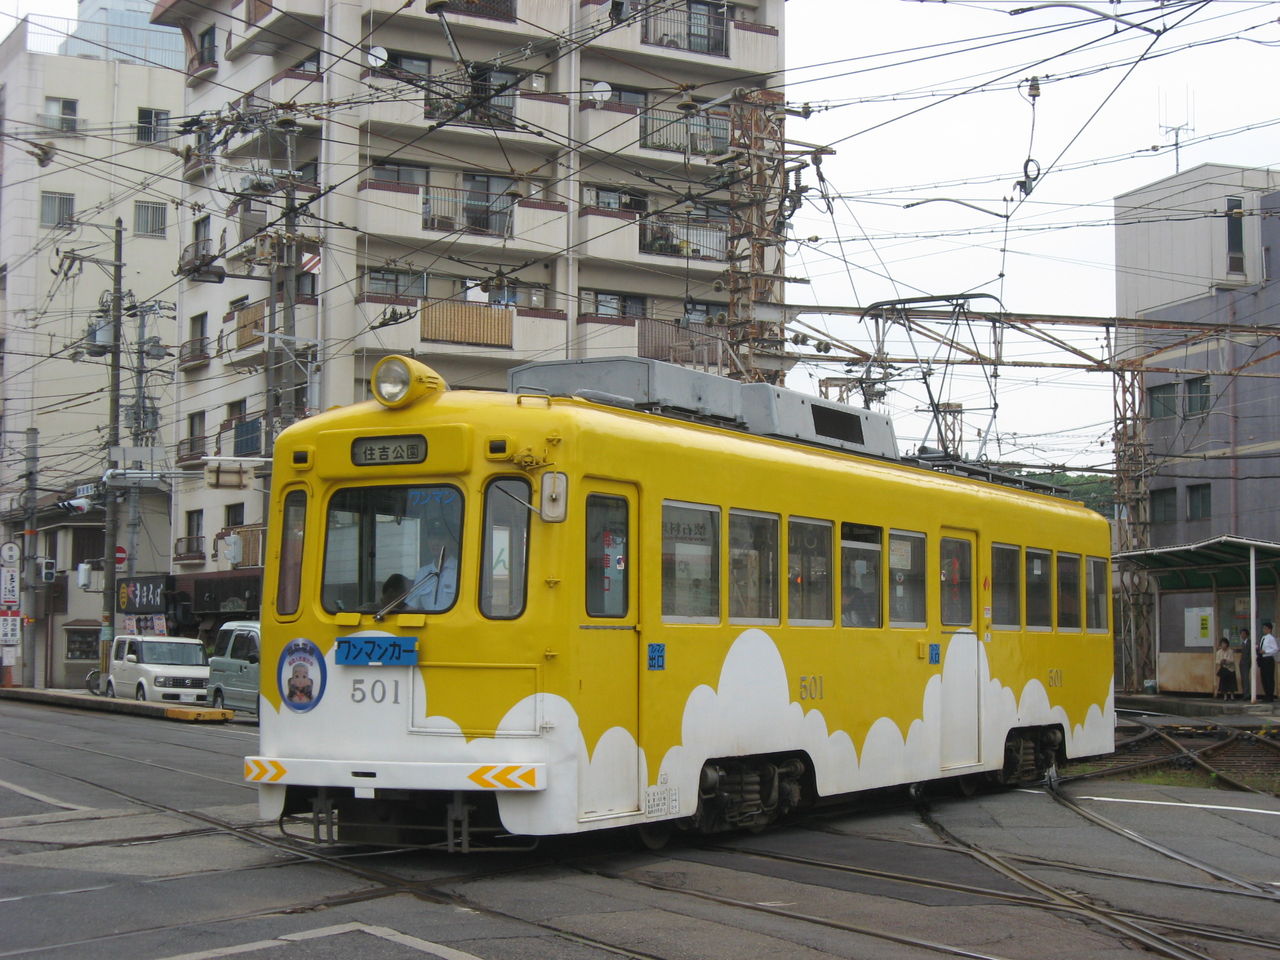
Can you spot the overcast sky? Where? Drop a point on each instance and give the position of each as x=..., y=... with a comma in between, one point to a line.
x=928, y=100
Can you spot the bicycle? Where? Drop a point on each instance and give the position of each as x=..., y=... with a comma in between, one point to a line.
x=93, y=682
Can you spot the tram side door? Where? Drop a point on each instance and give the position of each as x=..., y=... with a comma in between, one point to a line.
x=607, y=653
x=961, y=672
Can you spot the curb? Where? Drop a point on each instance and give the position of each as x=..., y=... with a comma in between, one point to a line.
x=138, y=708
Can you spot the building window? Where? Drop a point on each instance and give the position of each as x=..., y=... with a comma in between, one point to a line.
x=56, y=209
x=1197, y=393
x=151, y=124
x=195, y=523
x=195, y=425
x=1235, y=235
x=605, y=304
x=1164, y=505
x=1198, y=502
x=149, y=218
x=407, y=64
x=60, y=114
x=233, y=515
x=615, y=198
x=202, y=229
x=389, y=172
x=207, y=46
x=82, y=645
x=198, y=326
x=1162, y=401
x=395, y=283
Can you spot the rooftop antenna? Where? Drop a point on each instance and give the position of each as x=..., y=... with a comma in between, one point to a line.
x=1177, y=130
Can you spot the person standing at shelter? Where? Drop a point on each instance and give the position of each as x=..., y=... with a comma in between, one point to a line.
x=1267, y=649
x=1224, y=669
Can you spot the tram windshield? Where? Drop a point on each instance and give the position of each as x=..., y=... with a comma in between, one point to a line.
x=392, y=549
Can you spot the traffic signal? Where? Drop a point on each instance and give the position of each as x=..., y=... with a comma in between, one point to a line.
x=78, y=505
x=48, y=570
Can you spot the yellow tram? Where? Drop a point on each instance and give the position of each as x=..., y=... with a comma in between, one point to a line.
x=627, y=593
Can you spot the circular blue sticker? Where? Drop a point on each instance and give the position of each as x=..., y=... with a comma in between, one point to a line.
x=301, y=675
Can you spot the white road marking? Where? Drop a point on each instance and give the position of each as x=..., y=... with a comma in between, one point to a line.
x=43, y=798
x=384, y=933
x=1174, y=803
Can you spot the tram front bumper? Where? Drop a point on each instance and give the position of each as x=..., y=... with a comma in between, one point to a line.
x=365, y=777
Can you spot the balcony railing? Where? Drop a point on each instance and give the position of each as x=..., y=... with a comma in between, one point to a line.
x=196, y=255
x=489, y=9
x=694, y=345
x=469, y=211
x=193, y=353
x=188, y=549
x=202, y=63
x=191, y=450
x=61, y=123
x=702, y=134
x=445, y=97
x=684, y=237
x=242, y=546
x=477, y=324
x=699, y=28
x=153, y=133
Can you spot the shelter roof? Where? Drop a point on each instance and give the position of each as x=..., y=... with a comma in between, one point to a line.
x=1218, y=563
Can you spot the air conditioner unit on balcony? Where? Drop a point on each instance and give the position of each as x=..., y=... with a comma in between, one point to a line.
x=257, y=183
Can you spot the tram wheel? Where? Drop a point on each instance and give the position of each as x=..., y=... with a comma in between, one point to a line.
x=654, y=836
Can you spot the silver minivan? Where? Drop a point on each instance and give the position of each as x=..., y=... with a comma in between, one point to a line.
x=157, y=668
x=233, y=668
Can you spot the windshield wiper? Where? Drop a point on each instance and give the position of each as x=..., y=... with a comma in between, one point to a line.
x=413, y=587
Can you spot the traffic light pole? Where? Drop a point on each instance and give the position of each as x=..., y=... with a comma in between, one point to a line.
x=31, y=677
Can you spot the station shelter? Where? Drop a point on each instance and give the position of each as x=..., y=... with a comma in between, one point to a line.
x=1203, y=591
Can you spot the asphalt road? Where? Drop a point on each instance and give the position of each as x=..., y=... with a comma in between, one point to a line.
x=132, y=837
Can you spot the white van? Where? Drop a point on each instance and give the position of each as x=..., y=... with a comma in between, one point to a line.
x=233, y=668
x=172, y=669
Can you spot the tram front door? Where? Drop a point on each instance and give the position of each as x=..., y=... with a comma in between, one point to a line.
x=961, y=671
x=606, y=653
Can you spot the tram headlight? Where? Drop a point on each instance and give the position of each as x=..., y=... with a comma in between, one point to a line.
x=398, y=381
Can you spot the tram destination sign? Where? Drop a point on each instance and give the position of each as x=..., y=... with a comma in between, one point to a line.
x=379, y=451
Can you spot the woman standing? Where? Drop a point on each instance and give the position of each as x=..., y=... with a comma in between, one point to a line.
x=1224, y=667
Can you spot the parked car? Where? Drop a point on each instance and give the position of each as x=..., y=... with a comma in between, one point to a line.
x=233, y=668
x=158, y=668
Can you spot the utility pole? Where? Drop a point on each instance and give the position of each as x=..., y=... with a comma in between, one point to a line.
x=31, y=677
x=112, y=521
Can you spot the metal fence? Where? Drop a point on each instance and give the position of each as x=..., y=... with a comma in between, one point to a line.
x=704, y=134
x=125, y=39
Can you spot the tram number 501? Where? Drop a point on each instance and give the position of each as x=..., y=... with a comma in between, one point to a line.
x=377, y=691
x=1055, y=678
x=811, y=687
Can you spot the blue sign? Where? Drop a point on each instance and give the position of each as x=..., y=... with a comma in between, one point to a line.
x=365, y=651
x=657, y=656
x=935, y=653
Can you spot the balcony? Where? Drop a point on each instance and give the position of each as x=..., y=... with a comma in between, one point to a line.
x=188, y=550
x=270, y=26
x=475, y=324
x=503, y=20
x=514, y=112
x=684, y=237
x=473, y=218
x=446, y=97
x=58, y=123
x=624, y=236
x=194, y=353
x=696, y=35
x=197, y=256
x=705, y=135
x=191, y=452
x=695, y=345
x=202, y=65
x=696, y=32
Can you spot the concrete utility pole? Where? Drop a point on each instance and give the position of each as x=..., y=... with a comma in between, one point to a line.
x=112, y=522
x=31, y=676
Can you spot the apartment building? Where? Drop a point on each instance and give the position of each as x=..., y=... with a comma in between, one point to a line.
x=1200, y=248
x=84, y=105
x=479, y=183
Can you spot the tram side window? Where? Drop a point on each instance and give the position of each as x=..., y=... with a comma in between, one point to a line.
x=1006, y=586
x=1097, y=593
x=906, y=579
x=753, y=567
x=860, y=575
x=289, y=585
x=809, y=572
x=691, y=562
x=956, y=557
x=1039, y=588
x=504, y=564
x=607, y=560
x=1068, y=591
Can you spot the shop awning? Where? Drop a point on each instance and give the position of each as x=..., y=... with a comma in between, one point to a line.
x=1221, y=563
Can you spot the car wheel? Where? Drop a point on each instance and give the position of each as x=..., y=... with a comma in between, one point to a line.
x=111, y=690
x=218, y=702
x=141, y=694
